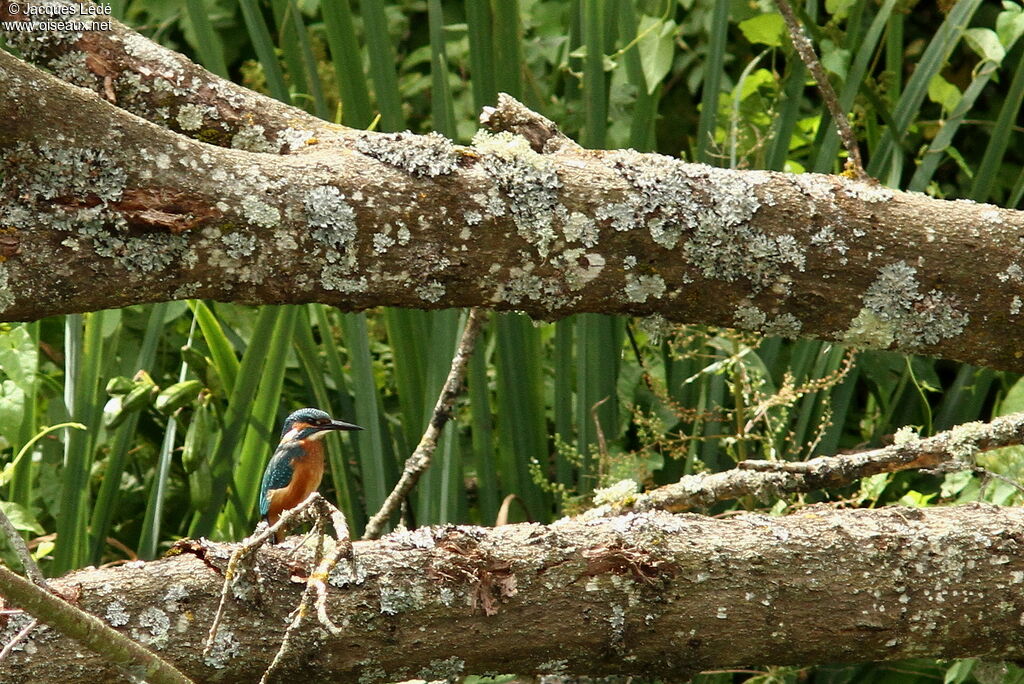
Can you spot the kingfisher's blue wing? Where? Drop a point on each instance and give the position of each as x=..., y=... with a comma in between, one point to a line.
x=278, y=473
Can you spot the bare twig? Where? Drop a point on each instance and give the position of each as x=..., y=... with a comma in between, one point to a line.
x=247, y=548
x=416, y=464
x=828, y=94
x=88, y=630
x=770, y=479
x=315, y=593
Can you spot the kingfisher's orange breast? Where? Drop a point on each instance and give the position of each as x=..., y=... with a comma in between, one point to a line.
x=307, y=472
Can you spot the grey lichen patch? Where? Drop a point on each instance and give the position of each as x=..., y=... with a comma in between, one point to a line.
x=45, y=172
x=431, y=291
x=528, y=179
x=142, y=254
x=332, y=220
x=253, y=138
x=963, y=440
x=6, y=295
x=522, y=284
x=116, y=614
x=174, y=596
x=905, y=435
x=259, y=213
x=640, y=288
x=895, y=311
x=347, y=575
x=827, y=239
x=750, y=317
x=155, y=628
x=578, y=267
x=191, y=116
x=1015, y=305
x=867, y=192
x=447, y=670
x=421, y=155
x=239, y=245
x=713, y=206
x=224, y=648
x=666, y=197
x=726, y=251
x=292, y=139
x=1013, y=273
x=579, y=227
x=398, y=598
x=72, y=67
x=335, y=277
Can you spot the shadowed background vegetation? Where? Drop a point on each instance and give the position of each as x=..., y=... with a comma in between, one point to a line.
x=176, y=406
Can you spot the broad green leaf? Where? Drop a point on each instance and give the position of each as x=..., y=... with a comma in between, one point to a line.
x=1014, y=399
x=21, y=518
x=752, y=83
x=835, y=59
x=657, y=48
x=766, y=29
x=944, y=93
x=1010, y=24
x=986, y=43
x=839, y=9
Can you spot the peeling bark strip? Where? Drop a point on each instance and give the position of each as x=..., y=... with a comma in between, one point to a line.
x=123, y=211
x=650, y=594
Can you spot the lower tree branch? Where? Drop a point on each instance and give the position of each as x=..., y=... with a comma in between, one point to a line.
x=653, y=594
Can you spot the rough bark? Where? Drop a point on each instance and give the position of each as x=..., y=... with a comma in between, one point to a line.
x=102, y=209
x=645, y=594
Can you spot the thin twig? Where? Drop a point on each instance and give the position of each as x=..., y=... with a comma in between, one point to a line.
x=771, y=479
x=20, y=548
x=828, y=94
x=416, y=464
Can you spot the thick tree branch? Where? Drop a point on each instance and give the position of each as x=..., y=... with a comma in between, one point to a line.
x=142, y=214
x=650, y=594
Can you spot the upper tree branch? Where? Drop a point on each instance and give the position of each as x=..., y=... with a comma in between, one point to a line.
x=654, y=594
x=122, y=211
x=162, y=86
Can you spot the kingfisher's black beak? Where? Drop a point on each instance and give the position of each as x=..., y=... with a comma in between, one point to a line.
x=339, y=425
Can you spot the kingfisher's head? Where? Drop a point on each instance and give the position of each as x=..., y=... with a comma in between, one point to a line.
x=311, y=423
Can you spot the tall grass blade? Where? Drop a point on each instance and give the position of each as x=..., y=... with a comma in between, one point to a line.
x=208, y=43
x=714, y=67
x=382, y=65
x=348, y=63
x=934, y=58
x=264, y=47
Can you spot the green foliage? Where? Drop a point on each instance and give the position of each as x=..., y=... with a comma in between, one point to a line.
x=179, y=404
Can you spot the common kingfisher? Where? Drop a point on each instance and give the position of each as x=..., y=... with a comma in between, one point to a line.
x=297, y=466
